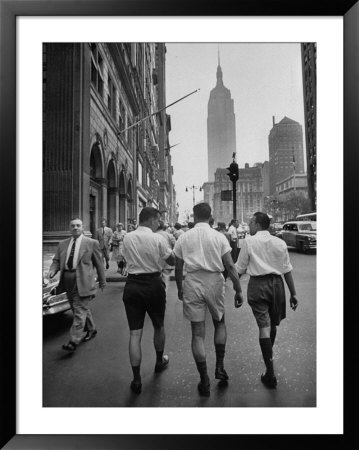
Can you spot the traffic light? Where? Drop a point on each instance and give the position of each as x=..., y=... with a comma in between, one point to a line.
x=233, y=172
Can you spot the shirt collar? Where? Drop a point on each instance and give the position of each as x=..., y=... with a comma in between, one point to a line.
x=78, y=240
x=262, y=232
x=202, y=225
x=144, y=229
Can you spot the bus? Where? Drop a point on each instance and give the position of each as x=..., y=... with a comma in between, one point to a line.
x=309, y=216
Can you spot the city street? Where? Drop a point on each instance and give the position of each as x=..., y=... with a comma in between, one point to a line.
x=98, y=374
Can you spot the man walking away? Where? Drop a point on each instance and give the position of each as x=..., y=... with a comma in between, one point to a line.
x=265, y=258
x=205, y=253
x=76, y=258
x=144, y=290
x=104, y=236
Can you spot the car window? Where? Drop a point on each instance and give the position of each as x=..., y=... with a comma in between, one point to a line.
x=306, y=227
x=294, y=228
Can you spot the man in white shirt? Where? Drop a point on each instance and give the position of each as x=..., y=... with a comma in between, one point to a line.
x=104, y=236
x=232, y=231
x=76, y=258
x=145, y=253
x=205, y=253
x=265, y=258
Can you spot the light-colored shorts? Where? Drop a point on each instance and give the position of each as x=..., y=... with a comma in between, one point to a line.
x=202, y=290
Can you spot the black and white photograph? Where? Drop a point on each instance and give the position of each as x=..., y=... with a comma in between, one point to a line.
x=158, y=142
x=170, y=172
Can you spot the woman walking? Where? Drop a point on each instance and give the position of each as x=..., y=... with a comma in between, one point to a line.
x=117, y=248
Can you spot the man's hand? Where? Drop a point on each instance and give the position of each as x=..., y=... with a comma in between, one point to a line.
x=293, y=302
x=180, y=294
x=238, y=300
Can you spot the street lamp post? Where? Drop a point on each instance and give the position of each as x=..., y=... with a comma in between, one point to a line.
x=193, y=187
x=233, y=173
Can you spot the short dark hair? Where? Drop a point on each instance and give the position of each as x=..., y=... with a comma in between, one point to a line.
x=221, y=226
x=148, y=212
x=262, y=219
x=177, y=225
x=202, y=211
x=190, y=224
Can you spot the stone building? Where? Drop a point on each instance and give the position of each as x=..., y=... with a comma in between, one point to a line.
x=285, y=151
x=249, y=190
x=95, y=164
x=309, y=64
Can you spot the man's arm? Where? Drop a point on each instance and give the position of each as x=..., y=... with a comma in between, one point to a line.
x=97, y=262
x=171, y=259
x=232, y=272
x=179, y=276
x=55, y=266
x=293, y=296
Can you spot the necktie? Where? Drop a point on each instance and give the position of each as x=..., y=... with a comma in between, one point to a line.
x=71, y=257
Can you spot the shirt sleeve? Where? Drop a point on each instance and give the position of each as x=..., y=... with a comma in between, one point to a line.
x=243, y=258
x=225, y=245
x=165, y=250
x=287, y=266
x=178, y=249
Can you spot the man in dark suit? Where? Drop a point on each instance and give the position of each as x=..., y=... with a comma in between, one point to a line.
x=104, y=236
x=76, y=258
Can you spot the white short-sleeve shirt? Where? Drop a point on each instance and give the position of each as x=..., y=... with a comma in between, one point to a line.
x=145, y=251
x=263, y=254
x=202, y=248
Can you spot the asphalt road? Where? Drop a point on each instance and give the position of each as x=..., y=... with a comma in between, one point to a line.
x=98, y=373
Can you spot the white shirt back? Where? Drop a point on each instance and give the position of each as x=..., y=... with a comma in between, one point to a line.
x=145, y=251
x=202, y=248
x=262, y=254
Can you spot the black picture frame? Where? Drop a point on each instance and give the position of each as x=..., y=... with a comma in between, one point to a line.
x=9, y=10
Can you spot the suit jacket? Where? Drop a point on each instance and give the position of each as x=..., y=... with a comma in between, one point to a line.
x=89, y=258
x=104, y=239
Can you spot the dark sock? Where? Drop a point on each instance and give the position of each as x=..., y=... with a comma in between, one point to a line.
x=267, y=352
x=202, y=369
x=273, y=334
x=159, y=356
x=220, y=351
x=136, y=373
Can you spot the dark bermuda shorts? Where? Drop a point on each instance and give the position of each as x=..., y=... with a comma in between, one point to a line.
x=266, y=297
x=144, y=293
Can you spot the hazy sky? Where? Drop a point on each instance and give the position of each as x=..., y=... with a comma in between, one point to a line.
x=265, y=80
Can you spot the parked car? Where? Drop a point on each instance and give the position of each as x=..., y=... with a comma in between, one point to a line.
x=275, y=227
x=53, y=302
x=299, y=234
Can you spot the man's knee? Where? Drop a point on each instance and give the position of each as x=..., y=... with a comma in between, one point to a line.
x=198, y=329
x=136, y=333
x=217, y=323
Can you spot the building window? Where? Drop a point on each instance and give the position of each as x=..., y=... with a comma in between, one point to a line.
x=97, y=69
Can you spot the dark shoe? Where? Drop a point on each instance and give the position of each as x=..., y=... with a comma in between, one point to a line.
x=70, y=347
x=90, y=334
x=221, y=374
x=107, y=265
x=160, y=366
x=269, y=381
x=204, y=389
x=136, y=387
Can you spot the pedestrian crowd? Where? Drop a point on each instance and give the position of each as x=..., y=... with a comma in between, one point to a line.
x=202, y=257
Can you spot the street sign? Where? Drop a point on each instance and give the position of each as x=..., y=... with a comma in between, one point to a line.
x=226, y=196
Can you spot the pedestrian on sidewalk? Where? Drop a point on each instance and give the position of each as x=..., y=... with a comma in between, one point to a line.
x=144, y=290
x=77, y=258
x=117, y=248
x=265, y=258
x=232, y=230
x=104, y=236
x=206, y=253
x=170, y=241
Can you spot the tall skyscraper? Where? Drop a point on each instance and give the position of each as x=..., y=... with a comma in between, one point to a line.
x=285, y=151
x=221, y=130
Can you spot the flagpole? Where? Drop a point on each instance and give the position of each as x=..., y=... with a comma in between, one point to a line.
x=153, y=114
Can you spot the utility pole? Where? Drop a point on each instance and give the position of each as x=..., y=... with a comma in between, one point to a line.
x=233, y=174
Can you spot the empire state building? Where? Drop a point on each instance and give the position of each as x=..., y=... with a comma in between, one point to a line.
x=221, y=131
